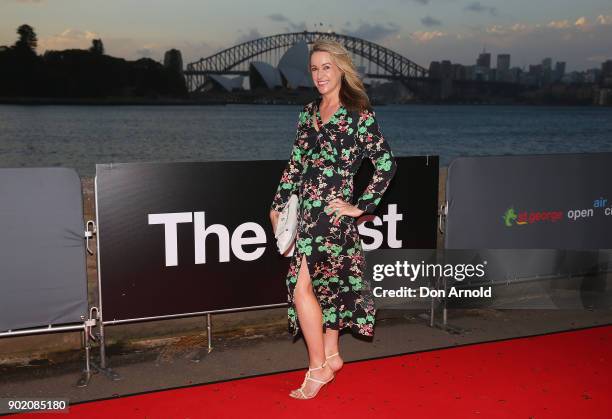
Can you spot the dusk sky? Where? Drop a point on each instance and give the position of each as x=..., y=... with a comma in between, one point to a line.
x=578, y=32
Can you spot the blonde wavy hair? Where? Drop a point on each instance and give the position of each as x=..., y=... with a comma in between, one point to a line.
x=352, y=91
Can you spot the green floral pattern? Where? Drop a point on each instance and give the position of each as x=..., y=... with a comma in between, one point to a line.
x=321, y=167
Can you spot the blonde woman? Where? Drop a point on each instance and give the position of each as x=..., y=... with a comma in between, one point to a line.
x=334, y=134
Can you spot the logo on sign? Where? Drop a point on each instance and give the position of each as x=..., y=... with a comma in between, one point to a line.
x=512, y=217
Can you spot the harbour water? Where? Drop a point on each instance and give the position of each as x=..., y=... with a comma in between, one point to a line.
x=81, y=136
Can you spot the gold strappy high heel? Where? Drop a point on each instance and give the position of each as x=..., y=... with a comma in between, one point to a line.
x=299, y=393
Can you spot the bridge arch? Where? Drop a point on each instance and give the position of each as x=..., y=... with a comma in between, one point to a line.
x=389, y=64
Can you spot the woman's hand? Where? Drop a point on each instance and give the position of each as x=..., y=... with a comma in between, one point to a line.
x=337, y=207
x=274, y=219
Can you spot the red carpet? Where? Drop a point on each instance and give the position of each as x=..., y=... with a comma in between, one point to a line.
x=561, y=375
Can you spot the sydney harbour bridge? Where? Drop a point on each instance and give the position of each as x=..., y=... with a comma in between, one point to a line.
x=380, y=62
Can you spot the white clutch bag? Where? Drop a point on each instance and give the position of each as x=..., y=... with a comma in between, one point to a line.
x=286, y=229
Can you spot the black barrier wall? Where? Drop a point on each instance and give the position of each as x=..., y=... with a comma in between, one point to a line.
x=557, y=201
x=178, y=238
x=556, y=208
x=43, y=278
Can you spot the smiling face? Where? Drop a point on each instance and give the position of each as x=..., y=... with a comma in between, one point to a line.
x=325, y=74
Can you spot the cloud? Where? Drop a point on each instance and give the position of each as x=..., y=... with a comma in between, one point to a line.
x=518, y=27
x=423, y=2
x=598, y=58
x=576, y=41
x=128, y=48
x=426, y=36
x=295, y=27
x=430, y=21
x=374, y=32
x=278, y=17
x=497, y=29
x=292, y=26
x=69, y=38
x=604, y=20
x=582, y=21
x=559, y=24
x=248, y=36
x=479, y=8
x=144, y=52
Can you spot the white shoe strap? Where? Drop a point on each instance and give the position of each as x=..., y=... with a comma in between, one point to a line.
x=318, y=381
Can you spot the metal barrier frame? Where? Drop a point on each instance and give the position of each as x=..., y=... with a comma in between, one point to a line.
x=86, y=327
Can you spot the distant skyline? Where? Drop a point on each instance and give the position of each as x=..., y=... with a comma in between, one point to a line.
x=578, y=33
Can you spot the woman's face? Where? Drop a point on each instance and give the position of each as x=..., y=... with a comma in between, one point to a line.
x=325, y=74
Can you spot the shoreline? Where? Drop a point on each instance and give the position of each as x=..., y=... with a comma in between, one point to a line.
x=42, y=101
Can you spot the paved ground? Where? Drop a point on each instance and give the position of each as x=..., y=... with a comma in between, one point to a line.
x=167, y=363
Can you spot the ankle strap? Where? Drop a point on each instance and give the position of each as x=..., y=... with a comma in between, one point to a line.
x=318, y=368
x=327, y=357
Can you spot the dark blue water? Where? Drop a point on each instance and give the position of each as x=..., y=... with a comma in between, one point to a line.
x=81, y=136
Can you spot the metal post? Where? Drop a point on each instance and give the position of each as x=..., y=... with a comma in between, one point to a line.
x=209, y=331
x=444, y=310
x=445, y=326
x=432, y=310
x=83, y=381
x=199, y=353
x=102, y=368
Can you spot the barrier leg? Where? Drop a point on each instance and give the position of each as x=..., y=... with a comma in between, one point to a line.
x=107, y=371
x=440, y=283
x=89, y=363
x=83, y=381
x=199, y=354
x=209, y=331
x=445, y=326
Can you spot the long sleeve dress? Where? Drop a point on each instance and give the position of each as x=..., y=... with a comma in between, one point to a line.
x=321, y=167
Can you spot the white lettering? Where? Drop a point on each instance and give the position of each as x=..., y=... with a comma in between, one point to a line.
x=238, y=241
x=391, y=218
x=170, y=220
x=579, y=213
x=200, y=231
x=371, y=232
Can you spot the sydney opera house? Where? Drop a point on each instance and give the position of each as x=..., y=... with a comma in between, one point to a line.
x=290, y=73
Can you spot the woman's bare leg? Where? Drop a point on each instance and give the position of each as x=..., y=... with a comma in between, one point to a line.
x=330, y=340
x=311, y=322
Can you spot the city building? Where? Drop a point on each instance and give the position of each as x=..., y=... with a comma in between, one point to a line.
x=435, y=70
x=174, y=60
x=559, y=70
x=484, y=60
x=503, y=62
x=503, y=68
x=606, y=68
x=446, y=69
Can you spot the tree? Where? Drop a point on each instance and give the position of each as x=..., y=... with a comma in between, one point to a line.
x=27, y=38
x=97, y=47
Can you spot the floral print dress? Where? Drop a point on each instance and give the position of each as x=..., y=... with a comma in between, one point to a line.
x=321, y=167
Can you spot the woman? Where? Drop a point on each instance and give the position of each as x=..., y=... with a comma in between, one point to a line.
x=334, y=134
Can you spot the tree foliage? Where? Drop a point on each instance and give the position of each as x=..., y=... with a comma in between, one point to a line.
x=79, y=73
x=27, y=38
x=97, y=47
